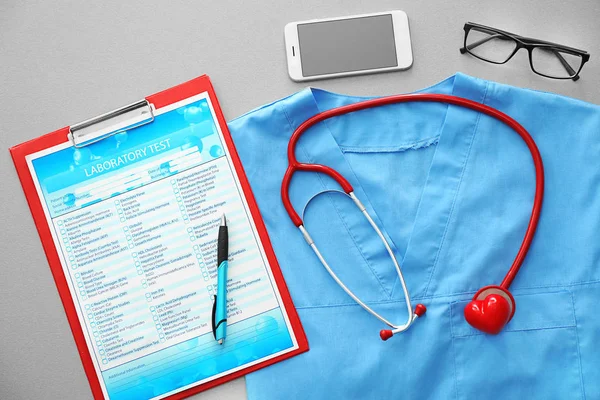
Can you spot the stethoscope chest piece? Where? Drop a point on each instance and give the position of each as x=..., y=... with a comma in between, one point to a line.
x=491, y=308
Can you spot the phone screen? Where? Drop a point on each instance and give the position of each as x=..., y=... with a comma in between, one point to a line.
x=354, y=44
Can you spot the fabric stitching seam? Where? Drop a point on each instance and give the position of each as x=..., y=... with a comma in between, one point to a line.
x=464, y=167
x=581, y=382
x=421, y=144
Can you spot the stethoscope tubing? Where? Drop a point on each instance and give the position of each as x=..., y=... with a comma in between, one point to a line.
x=294, y=165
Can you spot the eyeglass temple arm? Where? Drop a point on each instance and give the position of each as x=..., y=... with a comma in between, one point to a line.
x=565, y=64
x=562, y=60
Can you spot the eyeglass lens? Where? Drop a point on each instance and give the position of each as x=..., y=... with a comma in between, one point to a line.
x=555, y=62
x=489, y=45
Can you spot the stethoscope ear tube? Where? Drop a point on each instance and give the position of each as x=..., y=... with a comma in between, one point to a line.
x=497, y=298
x=412, y=315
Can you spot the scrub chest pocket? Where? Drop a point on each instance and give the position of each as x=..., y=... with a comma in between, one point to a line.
x=536, y=356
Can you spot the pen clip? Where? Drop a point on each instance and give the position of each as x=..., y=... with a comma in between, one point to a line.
x=214, y=316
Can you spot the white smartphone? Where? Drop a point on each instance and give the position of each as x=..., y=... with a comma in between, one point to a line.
x=358, y=44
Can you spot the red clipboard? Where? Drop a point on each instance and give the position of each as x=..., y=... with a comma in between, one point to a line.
x=162, y=99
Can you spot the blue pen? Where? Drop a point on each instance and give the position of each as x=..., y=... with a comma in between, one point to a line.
x=219, y=315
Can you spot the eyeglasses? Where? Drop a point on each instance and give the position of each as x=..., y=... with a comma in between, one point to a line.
x=547, y=59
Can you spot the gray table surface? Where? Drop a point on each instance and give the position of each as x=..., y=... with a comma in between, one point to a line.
x=65, y=61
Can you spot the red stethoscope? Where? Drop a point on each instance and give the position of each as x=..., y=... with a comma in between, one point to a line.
x=493, y=306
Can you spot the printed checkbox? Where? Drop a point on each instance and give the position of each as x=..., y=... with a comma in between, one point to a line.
x=92, y=324
x=162, y=340
x=144, y=286
x=104, y=361
x=195, y=247
x=182, y=208
x=190, y=229
x=143, y=281
x=199, y=256
x=96, y=334
x=205, y=278
x=122, y=219
x=137, y=263
x=87, y=306
x=178, y=198
x=68, y=248
x=116, y=201
x=155, y=318
x=84, y=298
x=125, y=228
x=134, y=255
x=60, y=223
x=82, y=292
x=149, y=299
x=101, y=352
x=152, y=309
x=148, y=295
x=71, y=258
x=63, y=231
x=176, y=191
x=158, y=327
x=173, y=181
x=80, y=284
x=140, y=272
x=192, y=238
x=128, y=237
x=204, y=274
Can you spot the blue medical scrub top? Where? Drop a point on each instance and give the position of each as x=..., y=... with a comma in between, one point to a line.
x=452, y=189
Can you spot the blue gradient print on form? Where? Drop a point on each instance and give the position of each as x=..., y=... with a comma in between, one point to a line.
x=199, y=358
x=186, y=129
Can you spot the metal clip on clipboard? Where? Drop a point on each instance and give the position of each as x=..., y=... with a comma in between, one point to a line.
x=120, y=120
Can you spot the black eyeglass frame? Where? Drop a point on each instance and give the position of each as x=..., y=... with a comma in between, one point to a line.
x=527, y=43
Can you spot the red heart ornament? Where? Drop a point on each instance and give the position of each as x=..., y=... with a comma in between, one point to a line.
x=488, y=315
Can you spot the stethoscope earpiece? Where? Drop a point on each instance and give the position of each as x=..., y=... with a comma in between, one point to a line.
x=385, y=334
